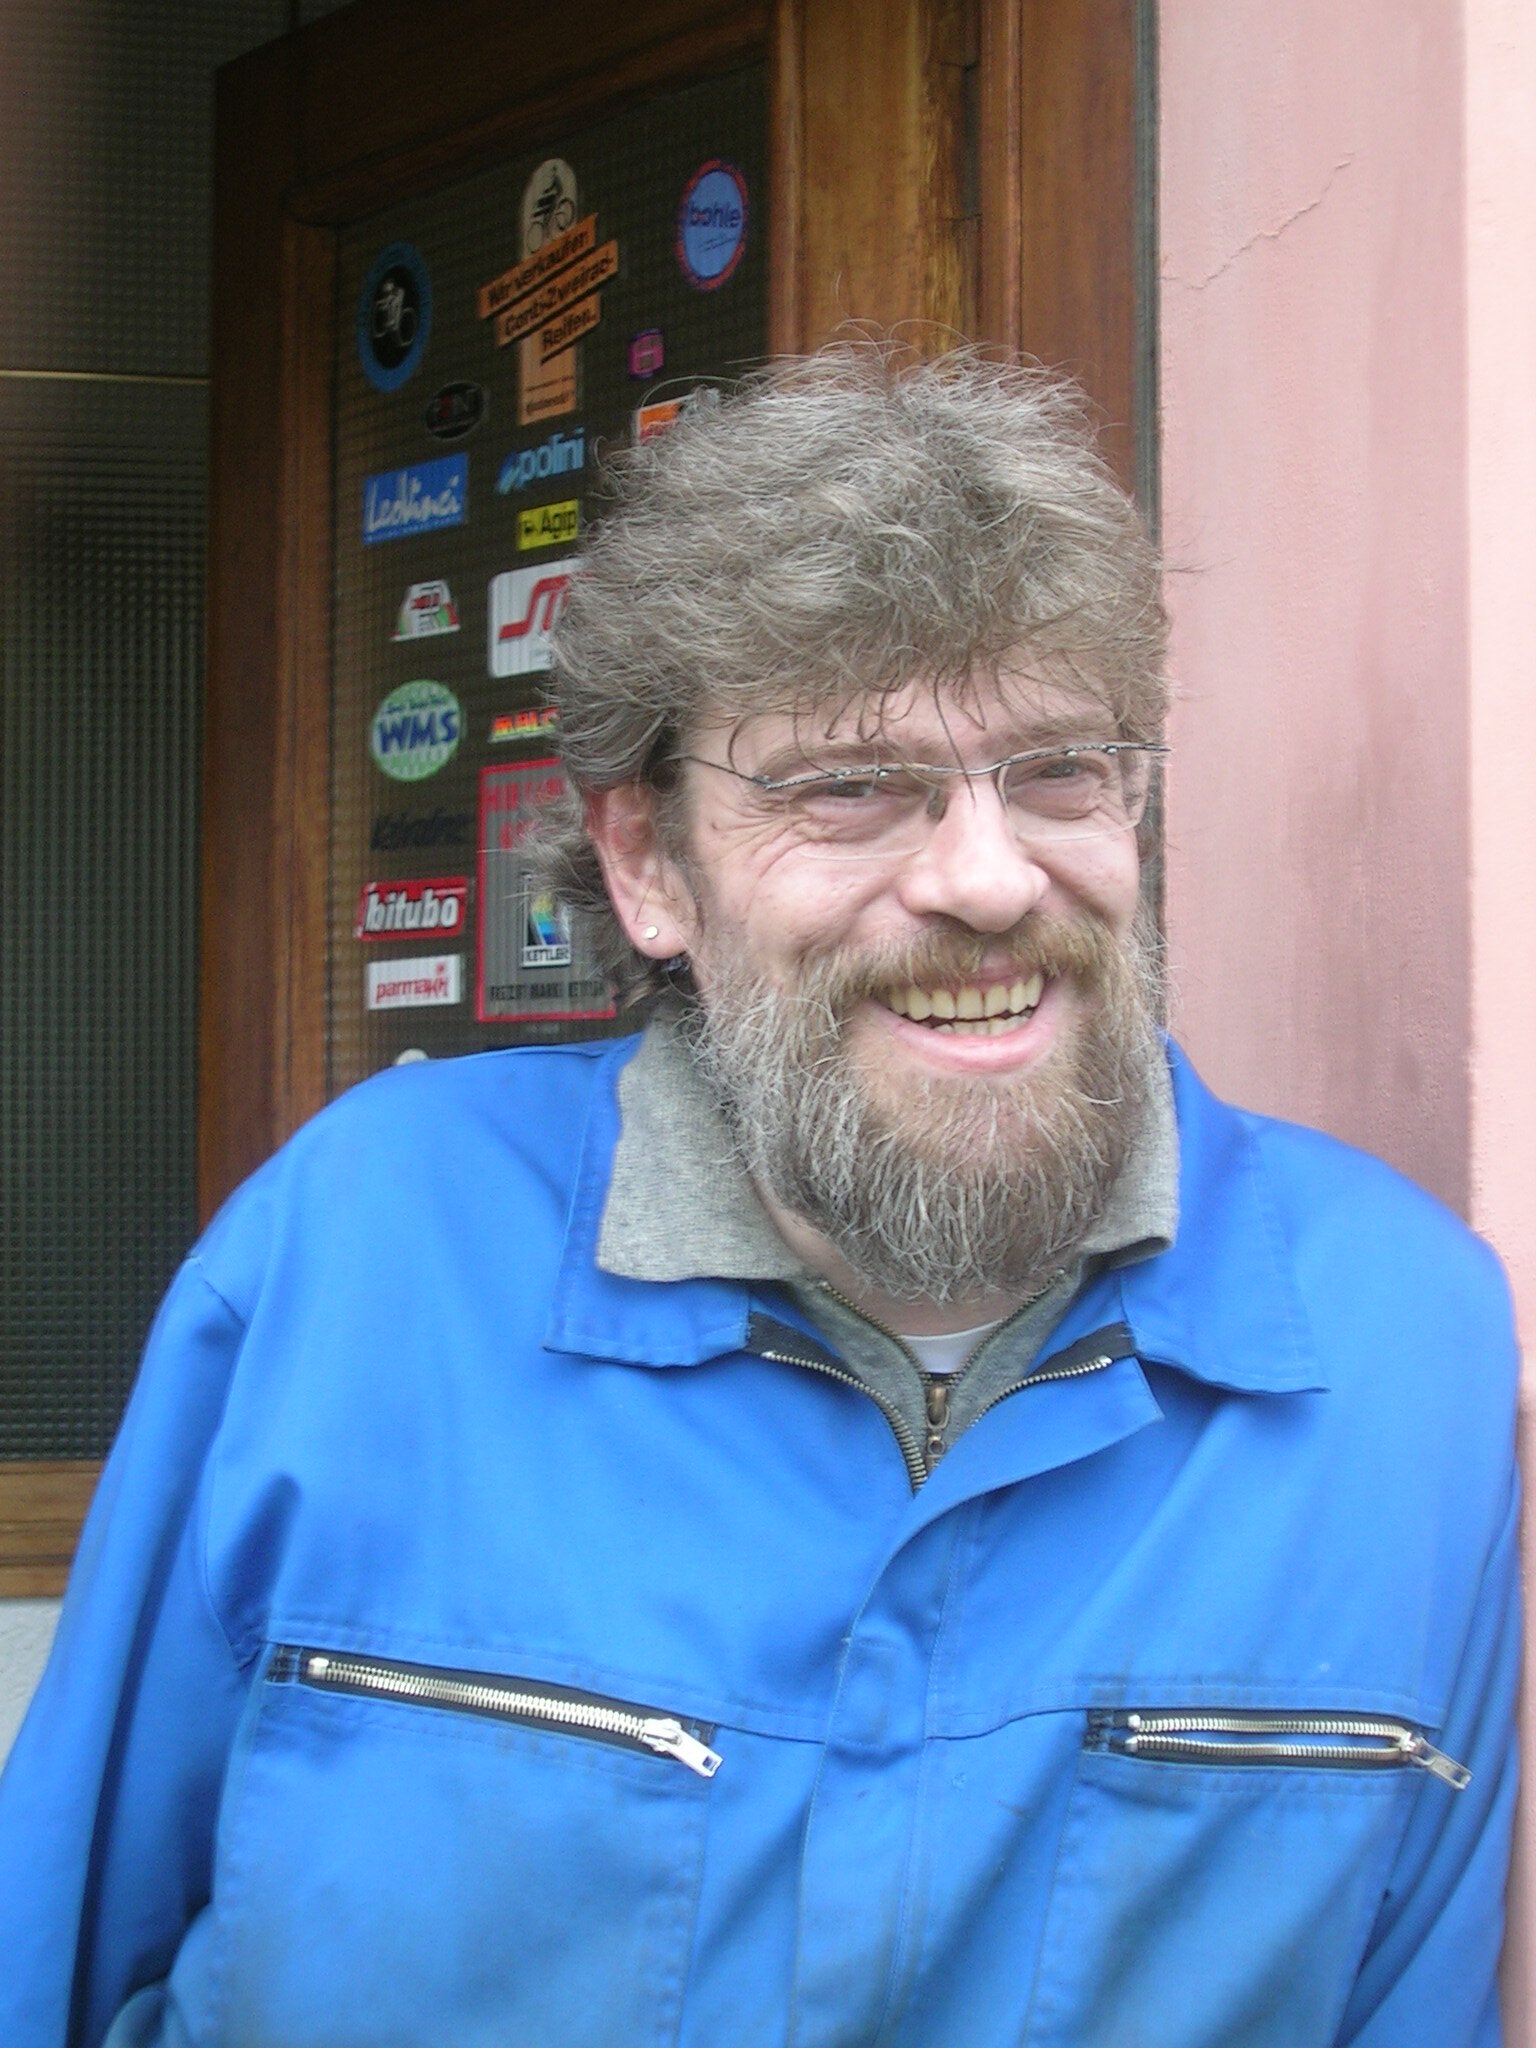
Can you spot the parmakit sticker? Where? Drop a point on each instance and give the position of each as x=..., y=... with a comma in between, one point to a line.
x=427, y=609
x=415, y=731
x=712, y=224
x=533, y=961
x=394, y=317
x=423, y=983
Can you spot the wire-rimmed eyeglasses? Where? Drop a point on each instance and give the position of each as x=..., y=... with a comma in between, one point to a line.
x=885, y=809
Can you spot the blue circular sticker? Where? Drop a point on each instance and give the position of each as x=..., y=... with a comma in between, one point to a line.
x=394, y=317
x=712, y=224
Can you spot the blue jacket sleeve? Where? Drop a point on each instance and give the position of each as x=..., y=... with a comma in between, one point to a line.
x=108, y=1802
x=1431, y=1977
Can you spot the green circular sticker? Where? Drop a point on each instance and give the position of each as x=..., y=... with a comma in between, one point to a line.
x=415, y=731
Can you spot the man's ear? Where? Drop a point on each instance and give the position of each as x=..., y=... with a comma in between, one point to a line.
x=649, y=896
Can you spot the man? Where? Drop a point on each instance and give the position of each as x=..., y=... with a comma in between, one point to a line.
x=876, y=1513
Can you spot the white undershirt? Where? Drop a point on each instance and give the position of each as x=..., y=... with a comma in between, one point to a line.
x=948, y=1353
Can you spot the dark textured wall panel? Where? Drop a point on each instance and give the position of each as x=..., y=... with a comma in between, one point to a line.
x=106, y=130
x=102, y=541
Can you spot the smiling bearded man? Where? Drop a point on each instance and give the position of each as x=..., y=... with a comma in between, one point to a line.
x=872, y=1513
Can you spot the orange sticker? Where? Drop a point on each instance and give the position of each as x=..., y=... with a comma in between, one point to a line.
x=554, y=257
x=541, y=306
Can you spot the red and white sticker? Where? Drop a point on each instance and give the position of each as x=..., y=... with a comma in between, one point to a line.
x=428, y=982
x=386, y=909
x=524, y=605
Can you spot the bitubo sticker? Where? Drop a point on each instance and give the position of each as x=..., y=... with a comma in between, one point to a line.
x=385, y=909
x=394, y=317
x=415, y=731
x=712, y=224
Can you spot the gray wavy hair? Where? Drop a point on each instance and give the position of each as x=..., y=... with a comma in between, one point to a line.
x=838, y=526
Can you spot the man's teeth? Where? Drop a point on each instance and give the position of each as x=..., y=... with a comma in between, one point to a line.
x=970, y=1009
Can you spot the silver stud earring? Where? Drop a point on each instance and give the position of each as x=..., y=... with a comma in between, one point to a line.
x=652, y=931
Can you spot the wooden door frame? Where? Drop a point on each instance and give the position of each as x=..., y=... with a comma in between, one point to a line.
x=969, y=167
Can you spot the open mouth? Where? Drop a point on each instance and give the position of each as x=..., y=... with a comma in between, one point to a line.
x=987, y=1012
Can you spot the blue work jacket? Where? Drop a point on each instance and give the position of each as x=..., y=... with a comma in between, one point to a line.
x=469, y=1647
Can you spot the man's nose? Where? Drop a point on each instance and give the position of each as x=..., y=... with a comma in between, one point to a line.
x=973, y=864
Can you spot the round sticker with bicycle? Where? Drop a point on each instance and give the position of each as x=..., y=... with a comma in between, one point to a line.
x=712, y=224
x=394, y=317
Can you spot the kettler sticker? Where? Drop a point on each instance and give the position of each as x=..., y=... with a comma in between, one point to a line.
x=385, y=910
x=534, y=962
x=431, y=982
x=524, y=605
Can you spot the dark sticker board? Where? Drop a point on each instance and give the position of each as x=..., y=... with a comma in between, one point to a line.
x=493, y=339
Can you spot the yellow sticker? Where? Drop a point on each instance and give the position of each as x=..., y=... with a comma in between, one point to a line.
x=545, y=525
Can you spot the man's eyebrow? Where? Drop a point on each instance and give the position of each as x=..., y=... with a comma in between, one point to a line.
x=795, y=758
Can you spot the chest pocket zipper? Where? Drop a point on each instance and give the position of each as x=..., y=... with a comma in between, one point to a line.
x=620, y=1722
x=1320, y=1741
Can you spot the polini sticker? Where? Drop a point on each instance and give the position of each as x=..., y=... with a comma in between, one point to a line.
x=415, y=731
x=712, y=224
x=394, y=317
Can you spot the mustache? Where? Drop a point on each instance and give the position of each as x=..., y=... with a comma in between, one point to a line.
x=1083, y=950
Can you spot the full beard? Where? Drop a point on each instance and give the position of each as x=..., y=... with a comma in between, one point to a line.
x=936, y=1188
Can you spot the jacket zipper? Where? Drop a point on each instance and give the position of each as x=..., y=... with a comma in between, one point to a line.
x=1313, y=1741
x=920, y=1459
x=508, y=1699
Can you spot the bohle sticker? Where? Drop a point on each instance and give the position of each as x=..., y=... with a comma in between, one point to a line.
x=386, y=909
x=415, y=731
x=534, y=962
x=453, y=413
x=524, y=605
x=394, y=317
x=654, y=419
x=712, y=224
x=426, y=610
x=402, y=831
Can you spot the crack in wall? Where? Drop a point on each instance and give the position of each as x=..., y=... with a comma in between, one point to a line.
x=1261, y=234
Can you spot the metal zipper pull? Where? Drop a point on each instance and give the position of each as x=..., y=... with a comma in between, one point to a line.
x=671, y=1738
x=937, y=1402
x=1424, y=1753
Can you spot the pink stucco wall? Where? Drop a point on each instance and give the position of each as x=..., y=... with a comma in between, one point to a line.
x=1348, y=334
x=1314, y=419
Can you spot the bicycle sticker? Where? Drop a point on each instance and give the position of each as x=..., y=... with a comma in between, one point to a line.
x=712, y=224
x=394, y=317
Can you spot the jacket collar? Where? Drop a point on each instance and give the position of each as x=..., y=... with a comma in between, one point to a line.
x=1220, y=1304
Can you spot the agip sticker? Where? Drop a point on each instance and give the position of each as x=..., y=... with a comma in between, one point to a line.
x=415, y=731
x=712, y=224
x=548, y=526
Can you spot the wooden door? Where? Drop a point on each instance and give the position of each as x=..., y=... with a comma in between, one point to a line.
x=957, y=168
